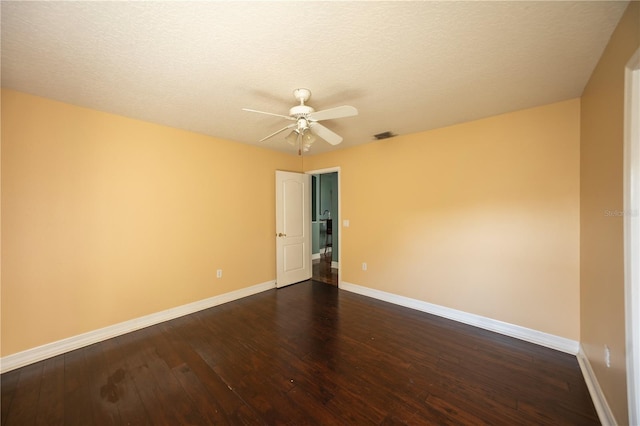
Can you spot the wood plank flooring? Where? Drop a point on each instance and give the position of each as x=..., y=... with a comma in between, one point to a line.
x=323, y=272
x=307, y=354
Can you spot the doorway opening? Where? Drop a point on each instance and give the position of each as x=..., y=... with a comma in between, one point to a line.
x=325, y=232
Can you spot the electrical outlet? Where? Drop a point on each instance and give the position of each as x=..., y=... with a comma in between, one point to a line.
x=364, y=266
x=219, y=273
x=607, y=356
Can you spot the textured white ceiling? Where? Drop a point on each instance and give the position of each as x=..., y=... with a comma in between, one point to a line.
x=406, y=66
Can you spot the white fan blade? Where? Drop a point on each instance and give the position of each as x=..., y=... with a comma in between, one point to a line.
x=290, y=126
x=326, y=134
x=269, y=113
x=331, y=113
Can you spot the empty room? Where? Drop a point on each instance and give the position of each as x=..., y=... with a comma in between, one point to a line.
x=310, y=212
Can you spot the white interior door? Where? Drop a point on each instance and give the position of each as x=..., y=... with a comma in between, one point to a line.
x=293, y=228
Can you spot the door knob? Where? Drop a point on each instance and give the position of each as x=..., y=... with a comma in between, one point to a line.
x=281, y=234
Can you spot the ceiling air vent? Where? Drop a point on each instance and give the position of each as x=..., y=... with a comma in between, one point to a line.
x=384, y=135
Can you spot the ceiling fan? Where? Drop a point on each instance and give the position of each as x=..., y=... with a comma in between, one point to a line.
x=306, y=124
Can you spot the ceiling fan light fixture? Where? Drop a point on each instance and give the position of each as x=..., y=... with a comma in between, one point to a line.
x=292, y=138
x=308, y=139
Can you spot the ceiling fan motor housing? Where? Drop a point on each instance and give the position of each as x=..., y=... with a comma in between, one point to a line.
x=300, y=111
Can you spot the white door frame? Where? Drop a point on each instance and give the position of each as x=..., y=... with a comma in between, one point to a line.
x=632, y=233
x=322, y=172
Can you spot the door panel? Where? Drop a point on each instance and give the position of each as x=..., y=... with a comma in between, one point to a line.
x=293, y=257
x=293, y=222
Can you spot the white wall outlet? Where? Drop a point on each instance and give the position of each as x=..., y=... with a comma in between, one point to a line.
x=364, y=266
x=345, y=223
x=219, y=273
x=607, y=356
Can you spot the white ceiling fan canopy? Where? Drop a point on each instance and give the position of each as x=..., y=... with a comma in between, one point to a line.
x=302, y=95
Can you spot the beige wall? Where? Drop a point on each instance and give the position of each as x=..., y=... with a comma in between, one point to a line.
x=481, y=217
x=601, y=248
x=105, y=218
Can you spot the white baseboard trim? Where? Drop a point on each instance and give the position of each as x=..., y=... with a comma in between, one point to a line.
x=315, y=256
x=20, y=359
x=334, y=264
x=597, y=396
x=527, y=334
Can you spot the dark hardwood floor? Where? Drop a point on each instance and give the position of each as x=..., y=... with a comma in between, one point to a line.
x=323, y=272
x=304, y=354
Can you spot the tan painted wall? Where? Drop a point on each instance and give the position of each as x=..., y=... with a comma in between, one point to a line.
x=105, y=218
x=601, y=248
x=481, y=217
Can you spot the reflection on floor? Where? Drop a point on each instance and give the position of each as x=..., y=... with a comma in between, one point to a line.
x=323, y=272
